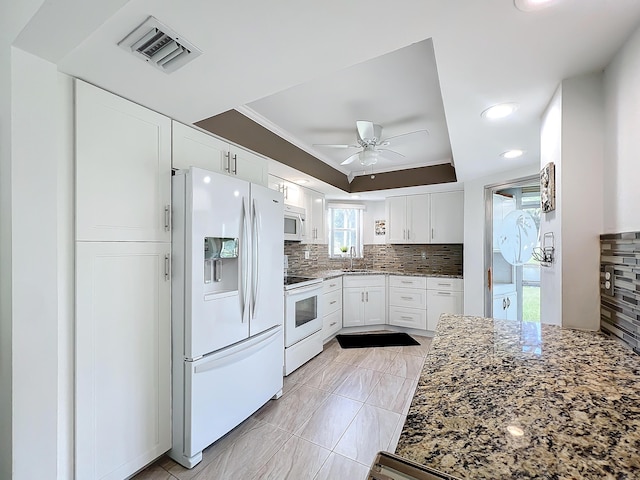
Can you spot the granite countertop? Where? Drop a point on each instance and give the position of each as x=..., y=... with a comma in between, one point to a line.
x=326, y=274
x=508, y=400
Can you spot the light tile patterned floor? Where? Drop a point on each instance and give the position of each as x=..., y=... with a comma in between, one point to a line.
x=336, y=413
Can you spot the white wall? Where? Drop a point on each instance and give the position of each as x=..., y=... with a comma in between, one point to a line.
x=582, y=199
x=474, y=235
x=550, y=151
x=42, y=255
x=374, y=211
x=14, y=16
x=622, y=139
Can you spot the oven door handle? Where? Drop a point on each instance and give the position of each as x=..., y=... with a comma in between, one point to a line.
x=297, y=291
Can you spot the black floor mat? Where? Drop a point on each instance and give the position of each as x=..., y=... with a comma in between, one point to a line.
x=376, y=340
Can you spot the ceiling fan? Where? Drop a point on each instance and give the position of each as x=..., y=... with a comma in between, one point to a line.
x=369, y=136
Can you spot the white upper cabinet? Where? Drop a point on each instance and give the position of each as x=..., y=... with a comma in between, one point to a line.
x=426, y=218
x=408, y=219
x=447, y=217
x=314, y=205
x=247, y=165
x=194, y=148
x=123, y=169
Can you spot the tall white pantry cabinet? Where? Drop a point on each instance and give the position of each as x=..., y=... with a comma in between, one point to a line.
x=123, y=246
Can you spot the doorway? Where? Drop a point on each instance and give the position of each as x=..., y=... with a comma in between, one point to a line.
x=512, y=290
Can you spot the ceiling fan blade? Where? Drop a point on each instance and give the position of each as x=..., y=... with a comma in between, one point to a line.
x=335, y=145
x=368, y=132
x=390, y=154
x=350, y=159
x=405, y=138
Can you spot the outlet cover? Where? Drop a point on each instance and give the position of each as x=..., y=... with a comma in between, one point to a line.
x=306, y=254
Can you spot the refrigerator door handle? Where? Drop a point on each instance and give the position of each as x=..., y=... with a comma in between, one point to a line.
x=243, y=259
x=254, y=257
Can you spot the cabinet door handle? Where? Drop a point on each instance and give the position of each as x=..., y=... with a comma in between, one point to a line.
x=227, y=155
x=332, y=324
x=406, y=281
x=167, y=267
x=331, y=303
x=404, y=232
x=508, y=302
x=504, y=304
x=235, y=164
x=331, y=285
x=405, y=318
x=444, y=293
x=444, y=284
x=362, y=296
x=432, y=234
x=367, y=296
x=407, y=298
x=408, y=234
x=167, y=218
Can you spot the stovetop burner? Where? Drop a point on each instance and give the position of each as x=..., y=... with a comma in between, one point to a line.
x=298, y=281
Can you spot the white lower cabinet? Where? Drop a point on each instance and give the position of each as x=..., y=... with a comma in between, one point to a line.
x=505, y=301
x=332, y=303
x=364, y=300
x=408, y=302
x=123, y=357
x=444, y=295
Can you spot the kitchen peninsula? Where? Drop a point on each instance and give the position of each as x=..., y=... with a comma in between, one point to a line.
x=509, y=400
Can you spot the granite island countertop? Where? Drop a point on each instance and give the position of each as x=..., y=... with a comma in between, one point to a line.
x=508, y=400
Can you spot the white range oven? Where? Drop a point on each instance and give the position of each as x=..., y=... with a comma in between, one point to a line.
x=303, y=321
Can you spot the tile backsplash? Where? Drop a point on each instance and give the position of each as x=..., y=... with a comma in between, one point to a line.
x=425, y=259
x=620, y=312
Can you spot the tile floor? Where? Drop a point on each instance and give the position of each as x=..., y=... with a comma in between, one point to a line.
x=336, y=412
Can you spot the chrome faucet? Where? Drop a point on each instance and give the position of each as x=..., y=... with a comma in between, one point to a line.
x=352, y=253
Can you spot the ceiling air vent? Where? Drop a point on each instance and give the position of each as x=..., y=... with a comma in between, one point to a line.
x=159, y=46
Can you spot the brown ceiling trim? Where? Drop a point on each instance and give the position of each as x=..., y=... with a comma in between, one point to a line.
x=239, y=129
x=410, y=177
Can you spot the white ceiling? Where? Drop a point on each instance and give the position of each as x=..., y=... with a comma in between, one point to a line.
x=311, y=69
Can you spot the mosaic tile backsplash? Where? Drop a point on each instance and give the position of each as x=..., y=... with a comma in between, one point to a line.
x=424, y=259
x=620, y=313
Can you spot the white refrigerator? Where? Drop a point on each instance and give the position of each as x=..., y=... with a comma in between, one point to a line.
x=227, y=306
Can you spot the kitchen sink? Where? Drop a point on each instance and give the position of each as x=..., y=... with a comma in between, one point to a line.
x=356, y=270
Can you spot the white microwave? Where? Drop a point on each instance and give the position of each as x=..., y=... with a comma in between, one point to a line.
x=294, y=218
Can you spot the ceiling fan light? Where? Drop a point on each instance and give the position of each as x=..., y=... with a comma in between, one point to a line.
x=500, y=110
x=368, y=156
x=532, y=5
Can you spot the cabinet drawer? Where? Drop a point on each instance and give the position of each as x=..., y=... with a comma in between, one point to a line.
x=332, y=301
x=408, y=297
x=363, y=281
x=331, y=324
x=332, y=284
x=408, y=317
x=445, y=284
x=407, y=282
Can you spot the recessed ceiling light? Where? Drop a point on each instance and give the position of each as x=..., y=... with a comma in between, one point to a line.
x=499, y=111
x=301, y=181
x=512, y=154
x=532, y=5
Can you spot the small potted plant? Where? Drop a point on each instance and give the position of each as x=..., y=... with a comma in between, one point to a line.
x=344, y=249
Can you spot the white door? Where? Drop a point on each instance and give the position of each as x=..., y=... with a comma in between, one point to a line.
x=447, y=217
x=375, y=306
x=353, y=307
x=418, y=221
x=267, y=226
x=396, y=220
x=123, y=357
x=218, y=208
x=193, y=148
x=123, y=169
